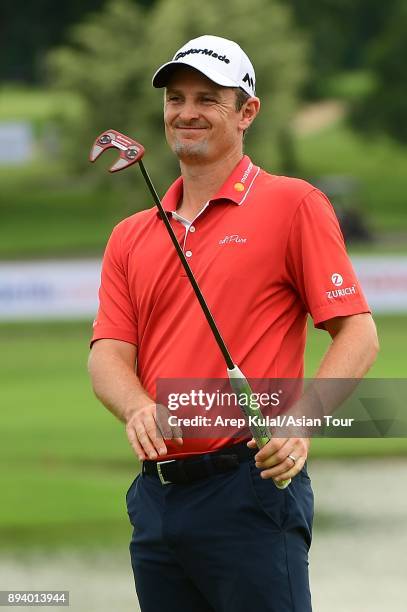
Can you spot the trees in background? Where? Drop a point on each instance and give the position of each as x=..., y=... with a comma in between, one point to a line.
x=113, y=54
x=350, y=48
x=359, y=47
x=103, y=65
x=384, y=107
x=340, y=33
x=28, y=28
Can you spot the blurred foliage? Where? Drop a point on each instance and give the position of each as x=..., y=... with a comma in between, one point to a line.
x=355, y=51
x=99, y=77
x=28, y=28
x=340, y=31
x=378, y=165
x=114, y=53
x=383, y=108
x=281, y=67
x=349, y=86
x=358, y=51
x=103, y=66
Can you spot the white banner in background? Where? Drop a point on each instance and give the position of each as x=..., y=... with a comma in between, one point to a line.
x=56, y=289
x=63, y=289
x=16, y=142
x=384, y=281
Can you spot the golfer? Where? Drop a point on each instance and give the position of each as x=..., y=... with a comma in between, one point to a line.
x=212, y=532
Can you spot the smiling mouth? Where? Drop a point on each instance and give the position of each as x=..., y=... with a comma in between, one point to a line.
x=189, y=133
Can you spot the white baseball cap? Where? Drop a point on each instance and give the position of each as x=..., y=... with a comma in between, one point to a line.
x=220, y=59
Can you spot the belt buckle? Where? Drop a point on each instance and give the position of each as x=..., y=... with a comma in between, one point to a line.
x=159, y=472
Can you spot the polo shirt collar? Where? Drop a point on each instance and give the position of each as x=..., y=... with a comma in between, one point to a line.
x=234, y=189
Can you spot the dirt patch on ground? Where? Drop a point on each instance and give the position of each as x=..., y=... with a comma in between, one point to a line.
x=317, y=116
x=357, y=558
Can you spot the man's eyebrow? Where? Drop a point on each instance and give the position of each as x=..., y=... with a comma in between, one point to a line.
x=209, y=92
x=204, y=92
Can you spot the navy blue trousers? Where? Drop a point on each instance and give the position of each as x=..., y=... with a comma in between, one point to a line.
x=227, y=543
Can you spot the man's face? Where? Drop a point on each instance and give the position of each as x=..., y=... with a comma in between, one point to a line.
x=201, y=121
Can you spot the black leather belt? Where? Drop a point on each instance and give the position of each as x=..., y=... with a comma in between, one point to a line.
x=197, y=467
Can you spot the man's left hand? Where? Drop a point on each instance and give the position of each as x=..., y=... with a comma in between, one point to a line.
x=281, y=458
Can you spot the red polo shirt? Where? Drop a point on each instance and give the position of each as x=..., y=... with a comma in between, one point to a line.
x=266, y=252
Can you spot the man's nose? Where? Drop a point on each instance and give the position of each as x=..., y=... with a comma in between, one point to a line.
x=188, y=111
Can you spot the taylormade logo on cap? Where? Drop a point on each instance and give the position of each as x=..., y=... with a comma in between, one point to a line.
x=219, y=59
x=222, y=58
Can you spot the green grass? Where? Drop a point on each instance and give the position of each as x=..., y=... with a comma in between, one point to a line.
x=379, y=165
x=45, y=212
x=35, y=105
x=390, y=363
x=65, y=463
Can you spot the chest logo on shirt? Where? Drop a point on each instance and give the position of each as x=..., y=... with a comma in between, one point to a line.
x=233, y=239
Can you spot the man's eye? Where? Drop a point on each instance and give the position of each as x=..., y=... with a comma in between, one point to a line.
x=208, y=100
x=173, y=98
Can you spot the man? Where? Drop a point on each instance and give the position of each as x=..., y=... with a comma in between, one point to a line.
x=212, y=532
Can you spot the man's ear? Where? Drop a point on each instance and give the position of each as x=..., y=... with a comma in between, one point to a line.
x=249, y=112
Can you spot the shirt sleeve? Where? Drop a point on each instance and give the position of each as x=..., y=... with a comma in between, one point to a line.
x=116, y=317
x=318, y=265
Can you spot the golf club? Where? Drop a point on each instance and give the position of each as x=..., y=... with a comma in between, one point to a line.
x=130, y=153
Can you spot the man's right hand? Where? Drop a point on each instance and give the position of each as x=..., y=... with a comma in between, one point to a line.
x=147, y=429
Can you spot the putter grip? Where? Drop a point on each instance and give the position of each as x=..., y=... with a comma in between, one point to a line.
x=261, y=434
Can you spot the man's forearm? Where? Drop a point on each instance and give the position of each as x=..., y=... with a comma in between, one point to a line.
x=352, y=352
x=350, y=355
x=116, y=385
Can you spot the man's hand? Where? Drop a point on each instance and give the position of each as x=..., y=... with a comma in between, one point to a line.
x=147, y=428
x=273, y=459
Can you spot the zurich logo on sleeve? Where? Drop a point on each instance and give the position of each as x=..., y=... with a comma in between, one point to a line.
x=337, y=279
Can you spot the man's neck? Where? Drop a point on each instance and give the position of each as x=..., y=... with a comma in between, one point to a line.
x=202, y=181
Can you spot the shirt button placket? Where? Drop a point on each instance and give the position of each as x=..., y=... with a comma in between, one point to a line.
x=191, y=230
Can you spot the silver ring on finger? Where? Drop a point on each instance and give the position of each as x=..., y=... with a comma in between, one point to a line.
x=294, y=459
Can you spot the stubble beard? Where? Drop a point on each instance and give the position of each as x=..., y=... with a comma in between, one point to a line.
x=191, y=151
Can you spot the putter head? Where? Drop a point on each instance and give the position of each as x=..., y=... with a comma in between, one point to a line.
x=130, y=150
